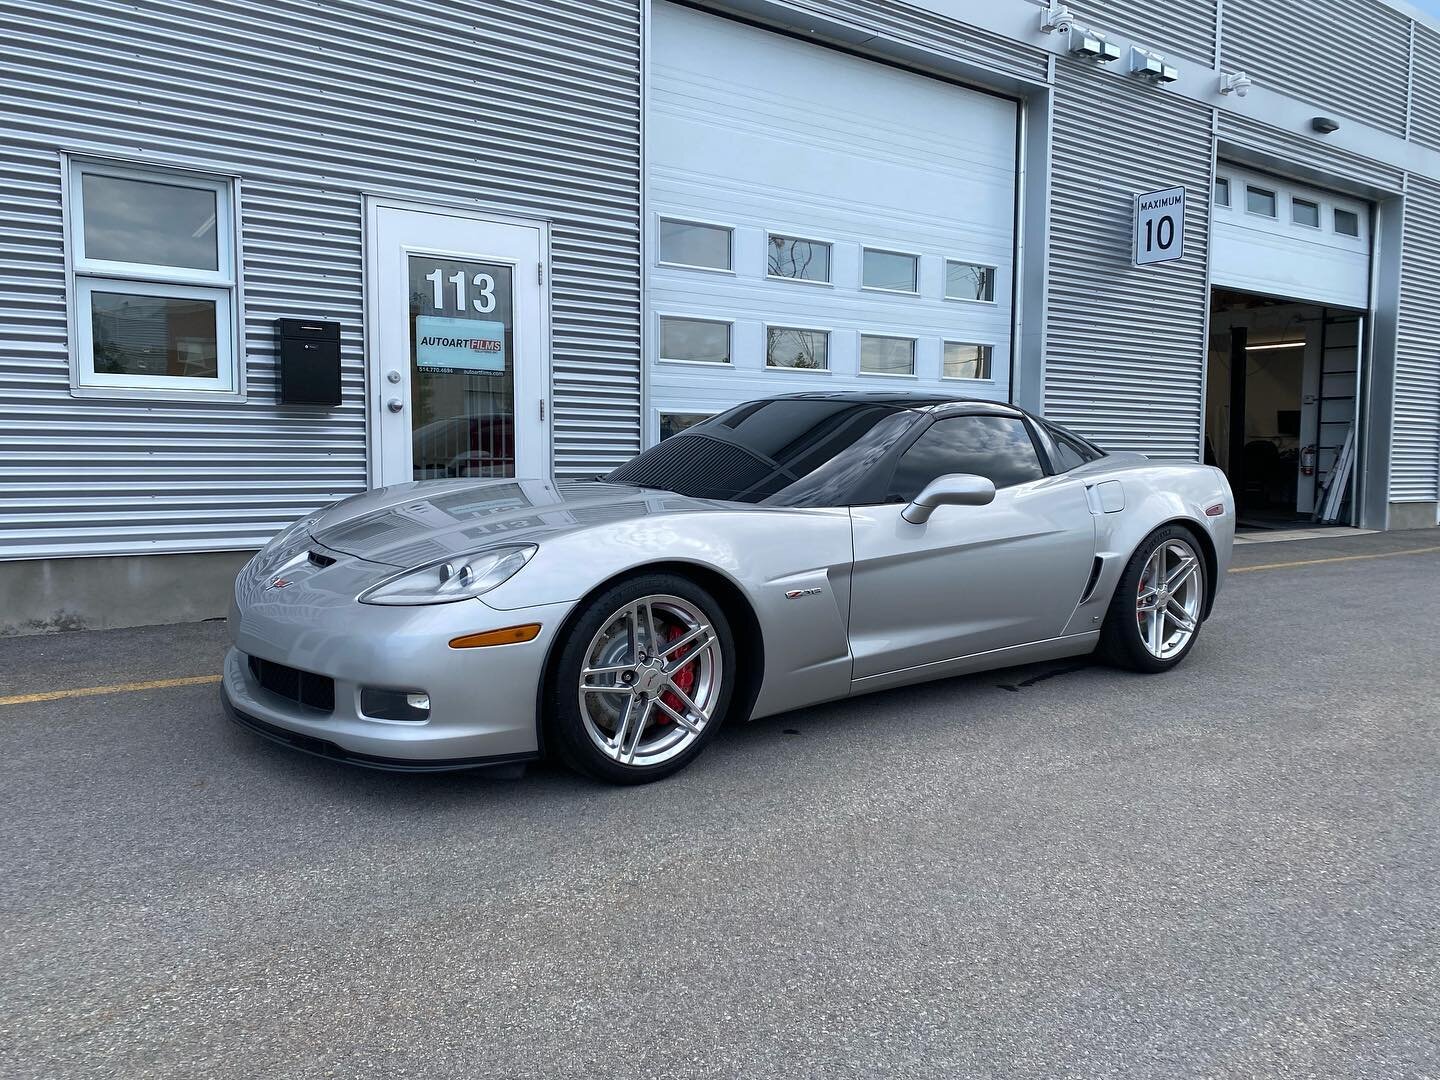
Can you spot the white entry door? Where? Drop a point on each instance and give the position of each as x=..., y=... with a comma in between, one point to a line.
x=458, y=367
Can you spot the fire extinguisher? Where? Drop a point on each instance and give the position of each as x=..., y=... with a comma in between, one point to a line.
x=1307, y=461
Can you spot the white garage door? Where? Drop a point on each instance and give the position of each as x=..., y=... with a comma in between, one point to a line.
x=1277, y=238
x=819, y=222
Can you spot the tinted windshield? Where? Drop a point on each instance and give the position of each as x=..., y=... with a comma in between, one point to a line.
x=791, y=451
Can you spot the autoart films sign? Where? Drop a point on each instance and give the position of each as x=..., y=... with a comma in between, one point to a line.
x=457, y=346
x=1160, y=226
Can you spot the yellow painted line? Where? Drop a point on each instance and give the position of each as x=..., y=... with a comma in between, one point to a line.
x=1335, y=558
x=117, y=688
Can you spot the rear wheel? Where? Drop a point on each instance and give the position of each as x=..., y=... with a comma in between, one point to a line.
x=643, y=680
x=1155, y=615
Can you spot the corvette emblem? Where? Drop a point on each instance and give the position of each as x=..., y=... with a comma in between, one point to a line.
x=280, y=583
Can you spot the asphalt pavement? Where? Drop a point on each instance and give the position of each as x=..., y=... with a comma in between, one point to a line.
x=1059, y=871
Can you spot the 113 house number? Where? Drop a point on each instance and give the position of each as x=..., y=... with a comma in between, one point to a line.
x=483, y=284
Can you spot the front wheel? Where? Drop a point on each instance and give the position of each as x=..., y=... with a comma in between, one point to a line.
x=643, y=680
x=1155, y=615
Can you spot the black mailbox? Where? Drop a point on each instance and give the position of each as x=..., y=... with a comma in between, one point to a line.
x=309, y=352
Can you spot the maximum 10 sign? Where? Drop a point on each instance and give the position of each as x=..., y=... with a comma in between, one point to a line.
x=1160, y=226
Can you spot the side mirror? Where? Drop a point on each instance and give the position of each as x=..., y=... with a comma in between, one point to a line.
x=955, y=489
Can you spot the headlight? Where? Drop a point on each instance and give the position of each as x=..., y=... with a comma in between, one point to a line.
x=462, y=578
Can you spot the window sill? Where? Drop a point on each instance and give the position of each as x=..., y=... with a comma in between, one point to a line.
x=724, y=271
x=887, y=375
x=142, y=393
x=799, y=281
x=799, y=370
x=726, y=364
x=915, y=293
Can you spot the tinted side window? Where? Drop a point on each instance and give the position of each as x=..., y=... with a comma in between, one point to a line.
x=1070, y=452
x=996, y=447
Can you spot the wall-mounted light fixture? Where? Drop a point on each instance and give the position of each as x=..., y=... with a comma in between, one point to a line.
x=1324, y=125
x=1056, y=19
x=1151, y=67
x=1092, y=45
x=1238, y=84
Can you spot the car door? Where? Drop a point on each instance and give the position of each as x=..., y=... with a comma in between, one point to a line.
x=973, y=578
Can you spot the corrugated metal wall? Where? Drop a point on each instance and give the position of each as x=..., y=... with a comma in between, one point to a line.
x=1425, y=88
x=1415, y=438
x=1126, y=355
x=1351, y=56
x=1288, y=147
x=527, y=107
x=1181, y=27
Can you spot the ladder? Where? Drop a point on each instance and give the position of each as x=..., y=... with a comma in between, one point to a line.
x=1335, y=413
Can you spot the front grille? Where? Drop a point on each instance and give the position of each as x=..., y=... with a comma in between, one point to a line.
x=301, y=687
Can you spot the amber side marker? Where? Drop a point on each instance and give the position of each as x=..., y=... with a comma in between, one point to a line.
x=510, y=635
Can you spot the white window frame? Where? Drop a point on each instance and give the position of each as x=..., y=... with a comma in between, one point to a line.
x=666, y=410
x=826, y=370
x=661, y=219
x=1319, y=213
x=828, y=245
x=945, y=282
x=84, y=275
x=913, y=373
x=729, y=324
x=989, y=361
x=1359, y=232
x=866, y=249
x=1229, y=186
x=1274, y=199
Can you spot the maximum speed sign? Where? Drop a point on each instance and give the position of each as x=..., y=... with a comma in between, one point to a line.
x=1160, y=226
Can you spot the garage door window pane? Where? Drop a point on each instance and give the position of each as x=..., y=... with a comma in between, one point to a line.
x=154, y=335
x=807, y=350
x=891, y=270
x=969, y=281
x=799, y=260
x=887, y=355
x=696, y=340
x=1222, y=191
x=1259, y=201
x=672, y=423
x=155, y=224
x=967, y=361
x=1305, y=213
x=686, y=243
x=1346, y=223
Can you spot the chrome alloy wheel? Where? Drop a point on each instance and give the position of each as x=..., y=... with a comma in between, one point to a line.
x=1169, y=599
x=650, y=681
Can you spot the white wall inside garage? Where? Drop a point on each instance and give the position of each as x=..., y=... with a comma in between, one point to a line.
x=762, y=132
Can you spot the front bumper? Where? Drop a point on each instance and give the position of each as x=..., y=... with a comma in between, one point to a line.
x=484, y=702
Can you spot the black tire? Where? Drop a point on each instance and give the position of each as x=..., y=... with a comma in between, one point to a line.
x=566, y=730
x=1121, y=643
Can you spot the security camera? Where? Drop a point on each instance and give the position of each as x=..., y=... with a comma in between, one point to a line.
x=1056, y=19
x=1238, y=84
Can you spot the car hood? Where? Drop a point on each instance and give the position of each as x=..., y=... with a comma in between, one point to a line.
x=414, y=524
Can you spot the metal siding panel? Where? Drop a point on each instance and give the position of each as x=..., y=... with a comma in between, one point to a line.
x=1299, y=48
x=1415, y=439
x=1286, y=146
x=1126, y=355
x=1184, y=27
x=520, y=106
x=1425, y=88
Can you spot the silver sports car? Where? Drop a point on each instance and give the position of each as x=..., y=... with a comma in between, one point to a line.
x=786, y=552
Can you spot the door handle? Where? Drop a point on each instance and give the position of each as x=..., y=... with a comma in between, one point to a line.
x=395, y=404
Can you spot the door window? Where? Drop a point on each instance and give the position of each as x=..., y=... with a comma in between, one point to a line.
x=998, y=448
x=462, y=367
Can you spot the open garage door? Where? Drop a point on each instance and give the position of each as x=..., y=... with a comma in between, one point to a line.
x=819, y=221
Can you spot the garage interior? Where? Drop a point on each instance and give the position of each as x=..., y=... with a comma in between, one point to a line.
x=1281, y=416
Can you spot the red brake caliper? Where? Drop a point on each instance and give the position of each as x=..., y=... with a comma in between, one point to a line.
x=684, y=678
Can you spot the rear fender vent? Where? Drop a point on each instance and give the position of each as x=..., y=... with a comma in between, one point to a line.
x=1095, y=569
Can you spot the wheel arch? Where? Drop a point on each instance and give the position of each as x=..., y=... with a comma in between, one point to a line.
x=744, y=625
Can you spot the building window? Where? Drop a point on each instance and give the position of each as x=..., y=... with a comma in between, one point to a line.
x=695, y=246
x=799, y=350
x=887, y=355
x=964, y=361
x=153, y=287
x=969, y=281
x=694, y=341
x=1260, y=201
x=1347, y=223
x=795, y=259
x=672, y=423
x=1222, y=191
x=890, y=271
x=1306, y=213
